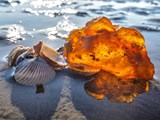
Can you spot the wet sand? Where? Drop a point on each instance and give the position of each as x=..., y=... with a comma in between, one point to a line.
x=65, y=97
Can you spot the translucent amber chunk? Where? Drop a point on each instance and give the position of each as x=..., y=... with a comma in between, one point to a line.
x=115, y=89
x=118, y=50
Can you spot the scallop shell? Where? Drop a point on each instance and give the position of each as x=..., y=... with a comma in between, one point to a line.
x=33, y=72
x=15, y=52
x=50, y=55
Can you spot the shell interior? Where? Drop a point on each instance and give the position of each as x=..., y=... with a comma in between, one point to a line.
x=50, y=55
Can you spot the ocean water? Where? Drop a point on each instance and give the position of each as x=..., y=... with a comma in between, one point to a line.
x=26, y=22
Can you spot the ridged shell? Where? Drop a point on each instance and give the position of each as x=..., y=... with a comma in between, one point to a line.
x=33, y=72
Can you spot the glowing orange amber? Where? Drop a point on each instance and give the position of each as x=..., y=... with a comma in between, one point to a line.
x=118, y=50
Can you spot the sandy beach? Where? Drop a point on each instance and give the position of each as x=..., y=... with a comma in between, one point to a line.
x=26, y=23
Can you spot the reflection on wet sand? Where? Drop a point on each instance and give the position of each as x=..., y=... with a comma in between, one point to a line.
x=115, y=89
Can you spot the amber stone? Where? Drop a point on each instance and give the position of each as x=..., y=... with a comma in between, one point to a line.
x=117, y=50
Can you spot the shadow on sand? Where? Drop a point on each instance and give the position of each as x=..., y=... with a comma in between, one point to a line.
x=35, y=106
x=68, y=92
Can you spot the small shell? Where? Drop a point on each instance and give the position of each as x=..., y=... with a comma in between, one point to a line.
x=17, y=51
x=82, y=69
x=33, y=72
x=50, y=55
x=26, y=55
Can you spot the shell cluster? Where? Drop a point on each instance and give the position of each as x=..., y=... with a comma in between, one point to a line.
x=35, y=65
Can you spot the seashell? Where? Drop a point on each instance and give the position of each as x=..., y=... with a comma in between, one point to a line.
x=26, y=55
x=17, y=51
x=82, y=70
x=50, y=55
x=34, y=71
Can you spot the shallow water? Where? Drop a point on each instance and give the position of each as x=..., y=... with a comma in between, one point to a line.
x=25, y=22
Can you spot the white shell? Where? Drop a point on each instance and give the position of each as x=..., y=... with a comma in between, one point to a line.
x=33, y=72
x=15, y=53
